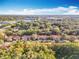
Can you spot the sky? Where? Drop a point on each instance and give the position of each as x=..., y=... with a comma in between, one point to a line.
x=39, y=7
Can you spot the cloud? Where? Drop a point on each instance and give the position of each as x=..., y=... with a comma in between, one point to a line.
x=71, y=10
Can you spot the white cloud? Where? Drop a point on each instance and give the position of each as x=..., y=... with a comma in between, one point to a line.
x=71, y=10
x=72, y=7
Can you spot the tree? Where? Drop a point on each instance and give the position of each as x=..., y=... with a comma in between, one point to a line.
x=56, y=30
x=2, y=34
x=66, y=51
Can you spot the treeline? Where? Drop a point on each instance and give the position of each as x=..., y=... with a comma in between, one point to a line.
x=11, y=17
x=34, y=50
x=45, y=27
